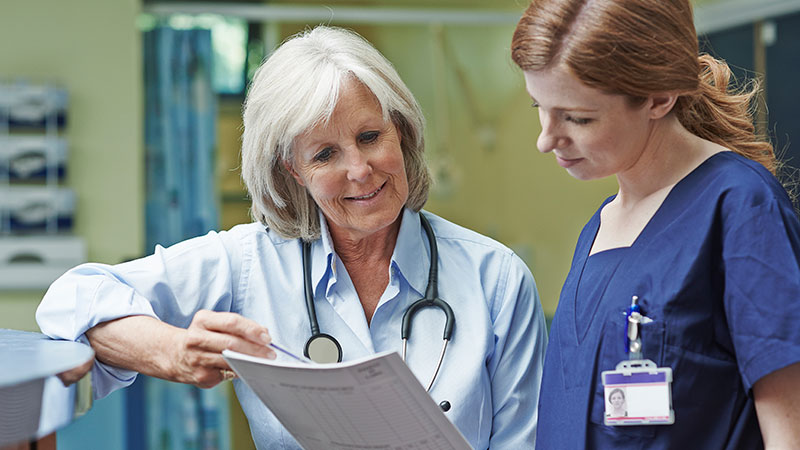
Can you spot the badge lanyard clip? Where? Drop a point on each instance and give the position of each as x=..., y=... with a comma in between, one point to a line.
x=633, y=339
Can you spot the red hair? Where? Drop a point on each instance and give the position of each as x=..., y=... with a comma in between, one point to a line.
x=637, y=48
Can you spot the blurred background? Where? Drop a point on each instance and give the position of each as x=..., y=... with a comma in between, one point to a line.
x=120, y=126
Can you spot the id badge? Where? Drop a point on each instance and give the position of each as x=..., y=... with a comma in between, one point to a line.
x=638, y=392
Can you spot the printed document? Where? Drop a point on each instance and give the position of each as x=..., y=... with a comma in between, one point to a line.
x=371, y=403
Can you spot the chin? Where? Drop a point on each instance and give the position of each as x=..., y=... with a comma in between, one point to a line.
x=372, y=224
x=581, y=175
x=585, y=175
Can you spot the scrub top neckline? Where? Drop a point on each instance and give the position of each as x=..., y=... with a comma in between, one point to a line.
x=611, y=258
x=652, y=219
x=655, y=222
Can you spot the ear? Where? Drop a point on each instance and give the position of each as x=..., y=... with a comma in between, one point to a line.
x=294, y=173
x=661, y=104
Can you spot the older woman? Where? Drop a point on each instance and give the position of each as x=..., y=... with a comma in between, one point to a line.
x=333, y=159
x=694, y=264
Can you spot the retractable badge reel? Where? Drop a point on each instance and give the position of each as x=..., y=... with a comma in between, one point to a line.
x=637, y=392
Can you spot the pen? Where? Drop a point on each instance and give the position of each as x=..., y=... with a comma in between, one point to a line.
x=289, y=354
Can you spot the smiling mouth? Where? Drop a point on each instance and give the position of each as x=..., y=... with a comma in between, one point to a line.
x=368, y=196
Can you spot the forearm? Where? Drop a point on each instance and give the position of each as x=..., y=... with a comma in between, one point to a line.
x=192, y=355
x=140, y=343
x=777, y=400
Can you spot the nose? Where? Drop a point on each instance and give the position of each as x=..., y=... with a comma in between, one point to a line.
x=358, y=164
x=550, y=138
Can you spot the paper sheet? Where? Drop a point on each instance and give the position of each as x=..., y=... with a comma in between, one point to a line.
x=371, y=403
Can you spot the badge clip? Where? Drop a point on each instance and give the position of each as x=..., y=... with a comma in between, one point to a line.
x=633, y=339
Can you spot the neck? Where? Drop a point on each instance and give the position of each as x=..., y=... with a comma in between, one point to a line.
x=367, y=258
x=366, y=249
x=671, y=152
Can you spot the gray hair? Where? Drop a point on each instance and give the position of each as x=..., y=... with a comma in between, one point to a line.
x=297, y=88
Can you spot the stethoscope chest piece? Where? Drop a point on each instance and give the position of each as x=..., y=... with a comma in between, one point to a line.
x=323, y=348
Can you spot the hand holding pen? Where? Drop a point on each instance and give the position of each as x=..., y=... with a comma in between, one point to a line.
x=197, y=354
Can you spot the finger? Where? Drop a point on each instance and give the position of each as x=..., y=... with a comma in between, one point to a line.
x=228, y=375
x=233, y=323
x=73, y=375
x=237, y=344
x=212, y=377
x=213, y=343
x=206, y=369
x=215, y=377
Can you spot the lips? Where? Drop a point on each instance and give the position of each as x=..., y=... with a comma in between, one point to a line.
x=566, y=163
x=368, y=196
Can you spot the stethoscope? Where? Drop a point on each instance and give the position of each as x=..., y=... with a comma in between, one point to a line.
x=324, y=348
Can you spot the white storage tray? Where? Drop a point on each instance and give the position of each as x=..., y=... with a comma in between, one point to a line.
x=29, y=208
x=28, y=157
x=33, y=262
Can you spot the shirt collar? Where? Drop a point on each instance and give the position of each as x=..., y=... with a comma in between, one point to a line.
x=322, y=250
x=411, y=254
x=411, y=257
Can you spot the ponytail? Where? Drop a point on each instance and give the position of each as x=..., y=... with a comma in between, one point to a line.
x=725, y=116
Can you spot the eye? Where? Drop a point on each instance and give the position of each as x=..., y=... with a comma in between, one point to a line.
x=368, y=137
x=324, y=154
x=578, y=120
x=535, y=104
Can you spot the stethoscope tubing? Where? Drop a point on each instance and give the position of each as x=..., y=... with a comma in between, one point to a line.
x=431, y=290
x=438, y=364
x=431, y=300
x=312, y=310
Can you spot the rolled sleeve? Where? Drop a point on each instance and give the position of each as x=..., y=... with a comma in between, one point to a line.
x=170, y=285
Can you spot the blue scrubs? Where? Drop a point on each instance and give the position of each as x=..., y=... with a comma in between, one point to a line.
x=717, y=268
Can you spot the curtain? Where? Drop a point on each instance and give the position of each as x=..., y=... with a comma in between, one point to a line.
x=180, y=135
x=180, y=141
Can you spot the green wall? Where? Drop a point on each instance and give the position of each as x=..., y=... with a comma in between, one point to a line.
x=91, y=48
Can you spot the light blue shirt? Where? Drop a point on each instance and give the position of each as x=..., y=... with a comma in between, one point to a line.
x=491, y=371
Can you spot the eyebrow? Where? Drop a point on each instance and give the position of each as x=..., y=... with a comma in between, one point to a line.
x=326, y=141
x=565, y=109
